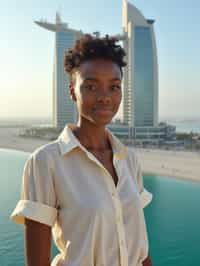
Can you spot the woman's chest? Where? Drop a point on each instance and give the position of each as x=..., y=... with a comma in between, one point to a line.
x=106, y=159
x=88, y=186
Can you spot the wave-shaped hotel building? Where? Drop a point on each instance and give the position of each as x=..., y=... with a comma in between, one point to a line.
x=140, y=83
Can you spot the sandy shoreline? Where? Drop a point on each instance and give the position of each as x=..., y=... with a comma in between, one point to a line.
x=179, y=164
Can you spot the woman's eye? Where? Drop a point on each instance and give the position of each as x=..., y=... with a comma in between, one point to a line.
x=90, y=87
x=116, y=87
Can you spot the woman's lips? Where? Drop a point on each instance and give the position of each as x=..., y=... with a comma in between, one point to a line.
x=103, y=111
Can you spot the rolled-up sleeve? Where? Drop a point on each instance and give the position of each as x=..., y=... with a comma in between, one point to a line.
x=38, y=199
x=145, y=195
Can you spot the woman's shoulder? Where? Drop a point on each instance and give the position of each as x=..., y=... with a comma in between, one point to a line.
x=46, y=151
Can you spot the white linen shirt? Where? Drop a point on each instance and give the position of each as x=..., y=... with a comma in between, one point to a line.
x=94, y=223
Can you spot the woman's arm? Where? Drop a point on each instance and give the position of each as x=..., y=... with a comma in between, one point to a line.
x=147, y=261
x=37, y=243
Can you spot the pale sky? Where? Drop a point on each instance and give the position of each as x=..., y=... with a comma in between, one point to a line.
x=26, y=51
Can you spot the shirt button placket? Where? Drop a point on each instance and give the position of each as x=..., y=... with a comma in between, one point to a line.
x=120, y=229
x=119, y=221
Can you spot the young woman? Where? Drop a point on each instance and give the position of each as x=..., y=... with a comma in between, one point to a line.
x=86, y=186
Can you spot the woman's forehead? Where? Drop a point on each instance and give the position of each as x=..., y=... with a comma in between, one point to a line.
x=97, y=67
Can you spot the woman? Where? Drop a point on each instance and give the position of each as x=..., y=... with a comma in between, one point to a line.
x=86, y=186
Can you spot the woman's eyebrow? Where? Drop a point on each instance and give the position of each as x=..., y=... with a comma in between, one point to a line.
x=90, y=79
x=116, y=79
x=96, y=80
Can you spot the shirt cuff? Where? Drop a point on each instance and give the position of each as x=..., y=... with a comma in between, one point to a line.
x=145, y=197
x=35, y=211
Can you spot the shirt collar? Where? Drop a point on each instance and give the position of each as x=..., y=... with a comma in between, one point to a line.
x=67, y=142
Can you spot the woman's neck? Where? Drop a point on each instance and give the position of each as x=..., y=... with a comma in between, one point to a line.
x=91, y=136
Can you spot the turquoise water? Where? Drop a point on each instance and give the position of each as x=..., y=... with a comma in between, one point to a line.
x=173, y=217
x=187, y=126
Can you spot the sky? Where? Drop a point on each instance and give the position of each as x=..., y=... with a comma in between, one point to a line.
x=26, y=51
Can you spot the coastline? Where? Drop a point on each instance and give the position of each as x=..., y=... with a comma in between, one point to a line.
x=10, y=139
x=184, y=165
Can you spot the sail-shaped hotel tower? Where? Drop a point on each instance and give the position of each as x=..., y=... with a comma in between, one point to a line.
x=64, y=110
x=140, y=106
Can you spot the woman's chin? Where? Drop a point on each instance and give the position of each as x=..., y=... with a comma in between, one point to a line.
x=103, y=121
x=99, y=120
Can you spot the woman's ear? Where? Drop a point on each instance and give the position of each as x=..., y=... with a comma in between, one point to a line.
x=72, y=91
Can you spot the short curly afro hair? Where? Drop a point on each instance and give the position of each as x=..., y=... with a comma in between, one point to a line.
x=92, y=47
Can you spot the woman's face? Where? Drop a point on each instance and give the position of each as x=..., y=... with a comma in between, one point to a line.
x=96, y=89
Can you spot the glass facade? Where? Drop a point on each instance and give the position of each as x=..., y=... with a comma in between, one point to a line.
x=143, y=76
x=64, y=108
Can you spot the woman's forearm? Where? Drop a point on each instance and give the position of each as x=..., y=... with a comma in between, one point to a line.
x=37, y=244
x=147, y=262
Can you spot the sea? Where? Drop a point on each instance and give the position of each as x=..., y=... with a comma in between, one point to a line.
x=183, y=125
x=172, y=218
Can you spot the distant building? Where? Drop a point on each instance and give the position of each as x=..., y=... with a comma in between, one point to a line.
x=140, y=106
x=144, y=135
x=64, y=110
x=140, y=85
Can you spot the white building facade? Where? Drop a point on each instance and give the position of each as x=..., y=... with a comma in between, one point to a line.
x=140, y=102
x=64, y=110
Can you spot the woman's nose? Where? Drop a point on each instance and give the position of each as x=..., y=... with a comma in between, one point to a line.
x=104, y=95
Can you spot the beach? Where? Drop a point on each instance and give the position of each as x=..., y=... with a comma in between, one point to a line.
x=179, y=164
x=10, y=139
